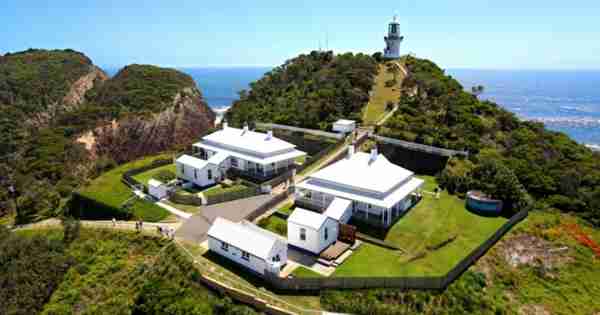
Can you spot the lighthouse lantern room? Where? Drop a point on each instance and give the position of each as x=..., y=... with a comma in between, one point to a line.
x=393, y=40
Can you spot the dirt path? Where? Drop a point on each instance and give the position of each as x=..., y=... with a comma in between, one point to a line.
x=382, y=94
x=121, y=225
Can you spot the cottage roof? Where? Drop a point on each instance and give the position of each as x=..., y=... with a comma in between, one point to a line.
x=249, y=140
x=255, y=241
x=192, y=161
x=307, y=218
x=361, y=171
x=337, y=208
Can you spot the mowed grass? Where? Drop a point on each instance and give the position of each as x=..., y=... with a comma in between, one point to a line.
x=375, y=109
x=274, y=224
x=430, y=223
x=109, y=189
x=303, y=272
x=220, y=189
x=146, y=176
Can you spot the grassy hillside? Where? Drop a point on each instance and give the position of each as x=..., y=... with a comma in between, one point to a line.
x=559, y=276
x=310, y=91
x=386, y=92
x=103, y=272
x=555, y=170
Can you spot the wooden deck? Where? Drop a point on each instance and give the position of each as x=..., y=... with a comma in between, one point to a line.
x=335, y=250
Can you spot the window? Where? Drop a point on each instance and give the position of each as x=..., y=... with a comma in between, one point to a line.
x=210, y=174
x=245, y=256
x=224, y=246
x=276, y=258
x=234, y=162
x=326, y=233
x=303, y=234
x=195, y=174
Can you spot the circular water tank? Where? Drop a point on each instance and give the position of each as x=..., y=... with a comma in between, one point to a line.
x=480, y=203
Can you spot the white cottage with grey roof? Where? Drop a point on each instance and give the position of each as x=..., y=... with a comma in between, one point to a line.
x=257, y=154
x=379, y=190
x=248, y=245
x=311, y=231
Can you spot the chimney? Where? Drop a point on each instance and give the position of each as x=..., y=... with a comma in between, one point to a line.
x=225, y=124
x=269, y=134
x=374, y=154
x=245, y=127
x=350, y=150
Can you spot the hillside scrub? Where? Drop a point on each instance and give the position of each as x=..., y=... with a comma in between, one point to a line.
x=555, y=170
x=48, y=98
x=309, y=91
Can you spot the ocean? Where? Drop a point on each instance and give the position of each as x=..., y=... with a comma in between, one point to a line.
x=566, y=101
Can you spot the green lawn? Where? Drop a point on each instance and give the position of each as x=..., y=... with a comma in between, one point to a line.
x=303, y=272
x=109, y=189
x=220, y=189
x=429, y=223
x=182, y=207
x=375, y=109
x=287, y=208
x=274, y=224
x=146, y=176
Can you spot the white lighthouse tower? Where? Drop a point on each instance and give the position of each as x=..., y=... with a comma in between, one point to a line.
x=393, y=40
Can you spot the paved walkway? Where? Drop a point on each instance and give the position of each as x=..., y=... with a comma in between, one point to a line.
x=175, y=211
x=195, y=228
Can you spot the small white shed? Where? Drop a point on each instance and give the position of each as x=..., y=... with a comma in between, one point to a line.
x=248, y=245
x=157, y=189
x=311, y=231
x=344, y=126
x=200, y=172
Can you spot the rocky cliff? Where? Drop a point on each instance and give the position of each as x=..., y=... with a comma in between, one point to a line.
x=154, y=109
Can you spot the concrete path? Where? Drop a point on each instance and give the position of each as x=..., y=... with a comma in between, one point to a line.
x=195, y=228
x=175, y=211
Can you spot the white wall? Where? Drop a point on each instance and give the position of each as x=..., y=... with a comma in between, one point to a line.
x=343, y=128
x=200, y=177
x=235, y=254
x=315, y=239
x=158, y=192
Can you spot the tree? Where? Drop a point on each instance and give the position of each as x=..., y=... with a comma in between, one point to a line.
x=477, y=90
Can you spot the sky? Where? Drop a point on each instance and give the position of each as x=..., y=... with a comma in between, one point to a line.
x=498, y=34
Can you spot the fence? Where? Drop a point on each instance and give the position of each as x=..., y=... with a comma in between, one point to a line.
x=315, y=158
x=419, y=147
x=262, y=209
x=232, y=195
x=298, y=129
x=185, y=199
x=424, y=283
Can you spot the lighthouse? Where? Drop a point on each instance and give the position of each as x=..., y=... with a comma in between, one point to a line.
x=393, y=40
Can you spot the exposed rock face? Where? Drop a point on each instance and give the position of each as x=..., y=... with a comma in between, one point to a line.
x=175, y=127
x=76, y=94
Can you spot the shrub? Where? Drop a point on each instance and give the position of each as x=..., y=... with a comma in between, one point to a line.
x=165, y=176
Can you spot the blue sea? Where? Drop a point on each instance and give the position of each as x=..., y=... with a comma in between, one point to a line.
x=567, y=101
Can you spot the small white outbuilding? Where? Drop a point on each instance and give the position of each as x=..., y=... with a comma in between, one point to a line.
x=157, y=189
x=344, y=126
x=248, y=245
x=311, y=231
x=200, y=172
x=339, y=209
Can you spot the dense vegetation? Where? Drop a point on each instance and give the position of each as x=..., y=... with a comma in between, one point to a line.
x=39, y=123
x=554, y=169
x=309, y=91
x=140, y=89
x=88, y=271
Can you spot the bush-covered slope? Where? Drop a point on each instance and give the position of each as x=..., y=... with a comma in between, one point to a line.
x=554, y=169
x=141, y=88
x=309, y=91
x=49, y=99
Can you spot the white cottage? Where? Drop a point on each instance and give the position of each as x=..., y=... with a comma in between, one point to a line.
x=311, y=231
x=256, y=154
x=200, y=172
x=379, y=190
x=248, y=245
